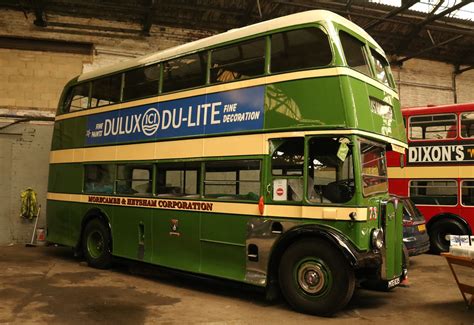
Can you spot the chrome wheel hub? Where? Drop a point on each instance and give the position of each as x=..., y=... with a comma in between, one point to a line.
x=311, y=277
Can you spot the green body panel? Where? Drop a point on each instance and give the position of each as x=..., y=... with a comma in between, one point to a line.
x=66, y=178
x=394, y=240
x=177, y=251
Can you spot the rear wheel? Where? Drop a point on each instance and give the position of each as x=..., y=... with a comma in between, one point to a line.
x=315, y=277
x=440, y=232
x=96, y=244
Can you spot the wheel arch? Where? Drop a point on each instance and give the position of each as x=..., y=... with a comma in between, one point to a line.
x=290, y=237
x=94, y=213
x=450, y=216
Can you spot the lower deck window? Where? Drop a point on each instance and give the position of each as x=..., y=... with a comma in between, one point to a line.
x=178, y=180
x=134, y=179
x=467, y=190
x=233, y=180
x=434, y=192
x=98, y=178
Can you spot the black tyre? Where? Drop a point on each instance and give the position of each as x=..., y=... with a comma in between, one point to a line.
x=315, y=278
x=96, y=244
x=440, y=231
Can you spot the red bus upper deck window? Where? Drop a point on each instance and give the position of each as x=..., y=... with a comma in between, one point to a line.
x=467, y=125
x=432, y=127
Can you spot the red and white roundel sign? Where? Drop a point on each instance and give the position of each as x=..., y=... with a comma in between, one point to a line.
x=280, y=191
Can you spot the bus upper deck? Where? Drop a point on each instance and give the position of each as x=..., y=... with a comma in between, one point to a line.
x=190, y=90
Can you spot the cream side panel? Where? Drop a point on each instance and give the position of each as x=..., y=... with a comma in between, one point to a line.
x=283, y=211
x=253, y=144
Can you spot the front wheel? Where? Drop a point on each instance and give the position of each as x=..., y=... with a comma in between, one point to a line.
x=315, y=278
x=96, y=243
x=440, y=232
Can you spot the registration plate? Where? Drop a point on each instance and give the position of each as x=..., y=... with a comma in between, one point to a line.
x=394, y=282
x=422, y=228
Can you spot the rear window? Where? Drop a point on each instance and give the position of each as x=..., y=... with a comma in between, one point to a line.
x=411, y=212
x=300, y=49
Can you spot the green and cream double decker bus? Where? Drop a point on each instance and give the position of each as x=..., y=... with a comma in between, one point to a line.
x=256, y=155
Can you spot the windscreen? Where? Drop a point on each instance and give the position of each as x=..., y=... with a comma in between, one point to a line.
x=374, y=168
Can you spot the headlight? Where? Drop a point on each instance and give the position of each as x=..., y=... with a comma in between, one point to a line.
x=377, y=238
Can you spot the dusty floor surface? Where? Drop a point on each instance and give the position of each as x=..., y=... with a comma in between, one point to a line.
x=48, y=285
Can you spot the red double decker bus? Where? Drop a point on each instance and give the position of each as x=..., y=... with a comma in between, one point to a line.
x=437, y=171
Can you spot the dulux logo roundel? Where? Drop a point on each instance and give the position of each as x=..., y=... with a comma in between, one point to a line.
x=150, y=121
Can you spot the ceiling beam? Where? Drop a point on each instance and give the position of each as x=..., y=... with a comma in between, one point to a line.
x=417, y=54
x=443, y=13
x=431, y=17
x=405, y=5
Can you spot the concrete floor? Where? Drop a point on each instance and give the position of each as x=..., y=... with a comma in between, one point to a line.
x=48, y=285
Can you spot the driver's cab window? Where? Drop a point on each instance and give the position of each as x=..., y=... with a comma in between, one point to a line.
x=330, y=170
x=287, y=169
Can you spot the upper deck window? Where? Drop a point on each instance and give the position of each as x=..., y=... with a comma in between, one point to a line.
x=78, y=98
x=142, y=82
x=238, y=61
x=382, y=68
x=354, y=53
x=431, y=127
x=185, y=72
x=300, y=49
x=467, y=125
x=106, y=91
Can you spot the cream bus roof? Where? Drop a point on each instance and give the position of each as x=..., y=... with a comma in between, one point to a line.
x=233, y=34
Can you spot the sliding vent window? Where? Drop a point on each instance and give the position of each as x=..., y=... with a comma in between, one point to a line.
x=106, y=91
x=185, y=72
x=134, y=179
x=238, y=61
x=354, y=53
x=141, y=82
x=233, y=180
x=300, y=49
x=78, y=98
